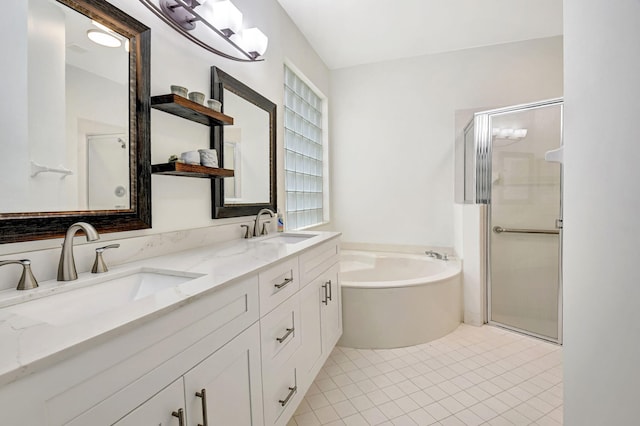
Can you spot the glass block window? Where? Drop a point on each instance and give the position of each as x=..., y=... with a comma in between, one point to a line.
x=304, y=153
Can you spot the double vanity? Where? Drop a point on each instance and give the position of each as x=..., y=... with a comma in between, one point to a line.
x=229, y=334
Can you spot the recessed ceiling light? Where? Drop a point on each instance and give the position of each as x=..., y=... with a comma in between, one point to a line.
x=103, y=39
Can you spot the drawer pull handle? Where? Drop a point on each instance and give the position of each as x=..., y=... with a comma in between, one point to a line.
x=203, y=394
x=283, y=283
x=180, y=415
x=292, y=391
x=330, y=290
x=283, y=338
x=327, y=287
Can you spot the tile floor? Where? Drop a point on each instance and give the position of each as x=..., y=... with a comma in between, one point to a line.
x=473, y=376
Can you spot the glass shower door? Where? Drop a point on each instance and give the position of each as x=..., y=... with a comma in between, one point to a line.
x=525, y=209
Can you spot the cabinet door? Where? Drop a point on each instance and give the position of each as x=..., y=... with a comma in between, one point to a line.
x=161, y=410
x=331, y=308
x=227, y=386
x=310, y=356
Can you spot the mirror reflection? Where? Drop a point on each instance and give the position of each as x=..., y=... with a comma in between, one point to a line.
x=70, y=112
x=246, y=151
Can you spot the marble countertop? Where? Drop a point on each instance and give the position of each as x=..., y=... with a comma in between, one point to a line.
x=29, y=344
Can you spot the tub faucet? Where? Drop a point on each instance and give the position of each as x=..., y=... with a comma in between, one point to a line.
x=436, y=255
x=67, y=266
x=256, y=225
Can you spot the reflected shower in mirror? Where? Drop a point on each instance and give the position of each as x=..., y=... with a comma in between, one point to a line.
x=76, y=90
x=247, y=147
x=75, y=120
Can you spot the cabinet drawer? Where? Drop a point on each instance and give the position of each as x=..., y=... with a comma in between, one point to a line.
x=280, y=331
x=281, y=395
x=277, y=284
x=319, y=259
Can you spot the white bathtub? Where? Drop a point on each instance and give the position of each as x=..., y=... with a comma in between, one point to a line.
x=392, y=300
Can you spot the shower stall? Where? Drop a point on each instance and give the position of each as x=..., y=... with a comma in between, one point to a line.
x=512, y=162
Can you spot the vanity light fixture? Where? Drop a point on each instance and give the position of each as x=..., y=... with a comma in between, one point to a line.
x=220, y=17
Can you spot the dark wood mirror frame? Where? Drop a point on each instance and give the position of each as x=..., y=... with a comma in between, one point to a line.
x=220, y=81
x=15, y=227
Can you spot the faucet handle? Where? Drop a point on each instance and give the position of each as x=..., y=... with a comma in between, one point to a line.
x=265, y=231
x=99, y=266
x=246, y=231
x=27, y=280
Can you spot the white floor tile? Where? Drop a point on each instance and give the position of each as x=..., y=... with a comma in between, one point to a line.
x=470, y=418
x=374, y=416
x=403, y=421
x=366, y=386
x=475, y=375
x=391, y=409
x=345, y=409
x=451, y=404
x=355, y=420
x=362, y=403
x=307, y=419
x=326, y=415
x=335, y=396
x=422, y=418
x=437, y=411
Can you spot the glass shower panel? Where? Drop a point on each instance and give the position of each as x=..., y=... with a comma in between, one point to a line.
x=524, y=243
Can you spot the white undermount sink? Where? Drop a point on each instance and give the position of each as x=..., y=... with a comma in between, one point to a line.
x=99, y=295
x=288, y=238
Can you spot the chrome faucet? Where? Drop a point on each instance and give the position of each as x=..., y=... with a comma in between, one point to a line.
x=67, y=266
x=27, y=280
x=256, y=225
x=436, y=255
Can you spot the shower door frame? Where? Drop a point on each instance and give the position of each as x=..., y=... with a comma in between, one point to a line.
x=484, y=187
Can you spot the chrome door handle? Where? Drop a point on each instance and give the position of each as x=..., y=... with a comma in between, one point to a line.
x=292, y=391
x=283, y=283
x=203, y=394
x=283, y=338
x=180, y=415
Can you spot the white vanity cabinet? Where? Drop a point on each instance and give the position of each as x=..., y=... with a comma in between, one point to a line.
x=299, y=334
x=243, y=354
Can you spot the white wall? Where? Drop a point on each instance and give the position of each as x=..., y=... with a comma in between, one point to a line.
x=393, y=134
x=602, y=199
x=182, y=203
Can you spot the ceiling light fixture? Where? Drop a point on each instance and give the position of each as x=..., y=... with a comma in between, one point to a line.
x=221, y=17
x=103, y=39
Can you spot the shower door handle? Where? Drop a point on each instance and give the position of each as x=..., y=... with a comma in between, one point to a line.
x=500, y=230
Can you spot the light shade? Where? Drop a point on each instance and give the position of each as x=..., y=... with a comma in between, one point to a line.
x=254, y=41
x=225, y=17
x=104, y=39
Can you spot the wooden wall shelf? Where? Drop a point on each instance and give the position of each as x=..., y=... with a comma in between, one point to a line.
x=190, y=170
x=186, y=108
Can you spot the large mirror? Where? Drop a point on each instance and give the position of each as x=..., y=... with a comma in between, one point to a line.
x=248, y=147
x=75, y=118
